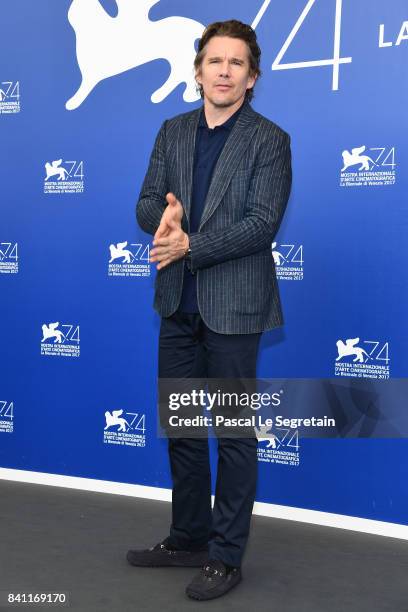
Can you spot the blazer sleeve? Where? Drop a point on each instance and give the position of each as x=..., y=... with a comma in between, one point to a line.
x=152, y=198
x=266, y=202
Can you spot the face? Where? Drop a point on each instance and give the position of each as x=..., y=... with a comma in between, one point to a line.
x=224, y=71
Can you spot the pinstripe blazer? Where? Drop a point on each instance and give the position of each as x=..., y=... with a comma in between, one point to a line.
x=231, y=255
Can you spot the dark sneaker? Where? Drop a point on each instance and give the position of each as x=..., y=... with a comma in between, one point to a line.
x=213, y=581
x=162, y=556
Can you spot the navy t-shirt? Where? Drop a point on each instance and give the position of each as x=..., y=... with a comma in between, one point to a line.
x=208, y=146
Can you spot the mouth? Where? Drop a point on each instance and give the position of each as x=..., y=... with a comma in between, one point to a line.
x=223, y=87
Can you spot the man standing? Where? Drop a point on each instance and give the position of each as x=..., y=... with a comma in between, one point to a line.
x=213, y=197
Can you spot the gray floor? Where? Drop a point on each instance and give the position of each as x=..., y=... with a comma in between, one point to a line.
x=60, y=539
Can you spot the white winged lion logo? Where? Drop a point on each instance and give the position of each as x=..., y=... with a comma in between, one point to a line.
x=356, y=157
x=116, y=419
x=107, y=46
x=118, y=250
x=350, y=349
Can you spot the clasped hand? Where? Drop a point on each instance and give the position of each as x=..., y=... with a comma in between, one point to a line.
x=170, y=242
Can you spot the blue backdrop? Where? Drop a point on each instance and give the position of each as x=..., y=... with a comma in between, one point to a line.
x=77, y=329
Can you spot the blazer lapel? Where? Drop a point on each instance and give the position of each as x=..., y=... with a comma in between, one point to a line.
x=188, y=134
x=236, y=144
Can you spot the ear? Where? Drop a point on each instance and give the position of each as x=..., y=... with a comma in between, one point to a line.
x=197, y=76
x=251, y=81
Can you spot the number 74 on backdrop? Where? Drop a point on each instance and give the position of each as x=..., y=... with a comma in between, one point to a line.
x=336, y=60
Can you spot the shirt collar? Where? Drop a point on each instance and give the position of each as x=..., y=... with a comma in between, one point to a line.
x=228, y=124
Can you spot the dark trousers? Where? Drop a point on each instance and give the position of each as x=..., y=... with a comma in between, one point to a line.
x=189, y=349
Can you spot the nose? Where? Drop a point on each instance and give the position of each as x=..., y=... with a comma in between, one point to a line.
x=225, y=68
